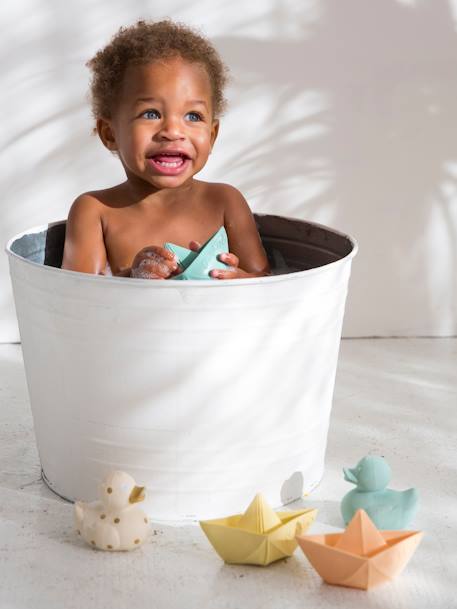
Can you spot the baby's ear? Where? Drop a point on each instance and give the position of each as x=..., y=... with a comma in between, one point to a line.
x=214, y=131
x=106, y=134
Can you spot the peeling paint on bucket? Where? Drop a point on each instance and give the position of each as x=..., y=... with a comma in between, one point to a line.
x=207, y=392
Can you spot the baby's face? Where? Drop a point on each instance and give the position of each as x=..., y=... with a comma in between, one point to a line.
x=163, y=127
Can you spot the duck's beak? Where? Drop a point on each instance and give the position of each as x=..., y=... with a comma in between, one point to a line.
x=137, y=494
x=350, y=475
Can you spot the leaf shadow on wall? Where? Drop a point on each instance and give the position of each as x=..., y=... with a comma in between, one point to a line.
x=369, y=143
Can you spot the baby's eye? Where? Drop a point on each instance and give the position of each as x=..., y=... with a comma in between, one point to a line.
x=194, y=116
x=151, y=114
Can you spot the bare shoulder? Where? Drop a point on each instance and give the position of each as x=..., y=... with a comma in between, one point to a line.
x=93, y=206
x=86, y=204
x=230, y=200
x=226, y=193
x=99, y=199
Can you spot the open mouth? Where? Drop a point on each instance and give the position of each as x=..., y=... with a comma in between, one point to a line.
x=169, y=162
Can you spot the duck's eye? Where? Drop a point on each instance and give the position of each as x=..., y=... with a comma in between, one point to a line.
x=151, y=114
x=194, y=116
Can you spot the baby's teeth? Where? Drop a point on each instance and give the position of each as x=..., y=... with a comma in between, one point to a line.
x=165, y=164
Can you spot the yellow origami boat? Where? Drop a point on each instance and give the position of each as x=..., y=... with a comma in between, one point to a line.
x=362, y=556
x=260, y=536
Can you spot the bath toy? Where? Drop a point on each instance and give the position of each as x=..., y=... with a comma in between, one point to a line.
x=197, y=265
x=361, y=557
x=115, y=522
x=388, y=509
x=260, y=536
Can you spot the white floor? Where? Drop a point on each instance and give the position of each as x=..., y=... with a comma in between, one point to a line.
x=393, y=397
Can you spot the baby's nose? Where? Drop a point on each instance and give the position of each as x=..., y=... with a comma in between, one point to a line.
x=171, y=129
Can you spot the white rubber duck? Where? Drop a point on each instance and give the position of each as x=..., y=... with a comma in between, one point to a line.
x=115, y=522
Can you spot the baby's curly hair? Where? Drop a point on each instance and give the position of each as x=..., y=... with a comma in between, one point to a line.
x=143, y=43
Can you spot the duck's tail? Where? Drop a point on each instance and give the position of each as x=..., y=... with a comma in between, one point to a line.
x=79, y=515
x=412, y=496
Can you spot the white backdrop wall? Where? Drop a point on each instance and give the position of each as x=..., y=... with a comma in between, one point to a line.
x=341, y=112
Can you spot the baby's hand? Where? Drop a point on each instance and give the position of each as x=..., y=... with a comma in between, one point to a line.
x=233, y=272
x=154, y=262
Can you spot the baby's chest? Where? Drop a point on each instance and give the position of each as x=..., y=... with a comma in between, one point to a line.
x=125, y=236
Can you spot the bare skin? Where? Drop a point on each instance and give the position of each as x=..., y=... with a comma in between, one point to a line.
x=163, y=131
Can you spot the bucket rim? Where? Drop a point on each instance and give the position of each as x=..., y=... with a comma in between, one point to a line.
x=192, y=282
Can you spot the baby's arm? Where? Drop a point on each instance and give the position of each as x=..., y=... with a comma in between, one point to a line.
x=84, y=249
x=244, y=240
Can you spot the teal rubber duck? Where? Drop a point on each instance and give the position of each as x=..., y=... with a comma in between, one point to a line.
x=197, y=265
x=388, y=509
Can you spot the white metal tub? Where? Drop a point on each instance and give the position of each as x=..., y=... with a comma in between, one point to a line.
x=205, y=391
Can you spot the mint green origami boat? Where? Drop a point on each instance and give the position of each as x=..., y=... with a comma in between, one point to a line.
x=197, y=265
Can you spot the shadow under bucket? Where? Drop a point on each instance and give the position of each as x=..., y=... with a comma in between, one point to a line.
x=206, y=392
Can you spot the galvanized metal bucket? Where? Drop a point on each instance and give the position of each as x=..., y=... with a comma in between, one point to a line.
x=205, y=391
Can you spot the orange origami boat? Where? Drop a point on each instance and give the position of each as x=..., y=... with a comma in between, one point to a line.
x=362, y=556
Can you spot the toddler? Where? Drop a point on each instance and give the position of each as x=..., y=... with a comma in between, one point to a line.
x=157, y=95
